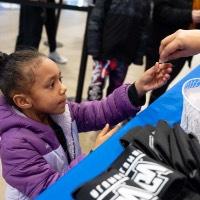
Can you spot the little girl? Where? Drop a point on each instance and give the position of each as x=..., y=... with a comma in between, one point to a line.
x=39, y=127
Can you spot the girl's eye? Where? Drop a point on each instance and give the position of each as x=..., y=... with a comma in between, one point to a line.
x=51, y=84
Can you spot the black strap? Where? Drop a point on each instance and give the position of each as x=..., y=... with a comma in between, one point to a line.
x=61, y=138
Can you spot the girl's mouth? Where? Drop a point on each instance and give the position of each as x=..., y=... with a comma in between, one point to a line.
x=63, y=101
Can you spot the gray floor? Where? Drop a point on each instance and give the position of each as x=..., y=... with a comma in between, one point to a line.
x=70, y=33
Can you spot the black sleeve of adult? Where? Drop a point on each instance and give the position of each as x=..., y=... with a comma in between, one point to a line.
x=133, y=96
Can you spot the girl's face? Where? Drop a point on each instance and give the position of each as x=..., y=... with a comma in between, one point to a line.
x=48, y=92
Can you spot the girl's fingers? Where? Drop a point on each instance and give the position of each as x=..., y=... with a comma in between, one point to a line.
x=105, y=130
x=111, y=132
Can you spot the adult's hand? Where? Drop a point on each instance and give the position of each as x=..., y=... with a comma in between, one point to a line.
x=182, y=43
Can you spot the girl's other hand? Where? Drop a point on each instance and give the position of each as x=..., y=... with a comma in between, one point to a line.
x=105, y=134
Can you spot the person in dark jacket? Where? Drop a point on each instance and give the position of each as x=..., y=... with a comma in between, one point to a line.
x=169, y=16
x=115, y=40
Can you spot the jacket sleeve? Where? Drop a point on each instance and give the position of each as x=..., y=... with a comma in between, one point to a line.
x=93, y=115
x=167, y=12
x=24, y=168
x=95, y=28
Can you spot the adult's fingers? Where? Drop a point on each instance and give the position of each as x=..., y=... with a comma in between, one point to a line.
x=166, y=41
x=171, y=51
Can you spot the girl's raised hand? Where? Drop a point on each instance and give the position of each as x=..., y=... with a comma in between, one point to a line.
x=153, y=78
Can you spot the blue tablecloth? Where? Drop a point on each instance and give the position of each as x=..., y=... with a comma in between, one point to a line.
x=168, y=107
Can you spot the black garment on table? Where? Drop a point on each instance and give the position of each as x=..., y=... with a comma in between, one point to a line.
x=143, y=138
x=152, y=156
x=151, y=175
x=61, y=138
x=170, y=145
x=136, y=176
x=111, y=185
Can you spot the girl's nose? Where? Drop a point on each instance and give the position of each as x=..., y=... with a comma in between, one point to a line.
x=63, y=89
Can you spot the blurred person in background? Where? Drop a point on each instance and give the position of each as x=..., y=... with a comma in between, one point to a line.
x=115, y=40
x=31, y=21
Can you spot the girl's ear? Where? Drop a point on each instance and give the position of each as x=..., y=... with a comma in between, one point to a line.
x=22, y=101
